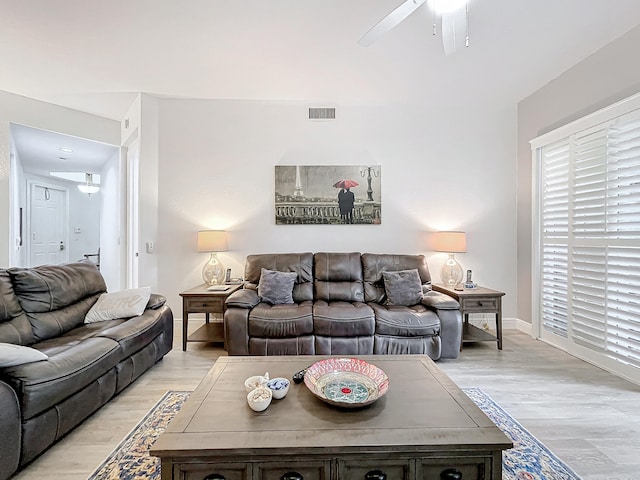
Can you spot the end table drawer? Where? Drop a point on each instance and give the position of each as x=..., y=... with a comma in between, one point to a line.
x=479, y=304
x=211, y=305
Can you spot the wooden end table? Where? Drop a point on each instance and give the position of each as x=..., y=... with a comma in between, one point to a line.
x=201, y=300
x=477, y=300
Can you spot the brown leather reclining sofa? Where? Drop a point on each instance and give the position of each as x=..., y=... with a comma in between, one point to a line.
x=340, y=307
x=44, y=308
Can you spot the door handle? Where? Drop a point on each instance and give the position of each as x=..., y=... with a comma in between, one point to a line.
x=61, y=245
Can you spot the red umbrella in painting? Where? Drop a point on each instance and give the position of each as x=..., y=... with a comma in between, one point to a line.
x=345, y=184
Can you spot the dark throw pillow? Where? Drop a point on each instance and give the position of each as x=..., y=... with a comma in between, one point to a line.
x=403, y=287
x=276, y=287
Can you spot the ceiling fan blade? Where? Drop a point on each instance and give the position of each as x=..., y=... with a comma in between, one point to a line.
x=390, y=21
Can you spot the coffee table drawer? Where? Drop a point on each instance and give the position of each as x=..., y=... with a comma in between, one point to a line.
x=471, y=469
x=198, y=471
x=308, y=470
x=364, y=468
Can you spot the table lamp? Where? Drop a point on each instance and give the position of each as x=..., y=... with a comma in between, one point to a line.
x=212, y=241
x=451, y=243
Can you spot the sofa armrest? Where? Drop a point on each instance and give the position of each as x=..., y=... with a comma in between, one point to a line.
x=450, y=333
x=439, y=301
x=448, y=311
x=236, y=330
x=156, y=301
x=236, y=320
x=245, y=298
x=10, y=440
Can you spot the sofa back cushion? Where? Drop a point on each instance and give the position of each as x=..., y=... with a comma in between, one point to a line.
x=373, y=264
x=338, y=277
x=14, y=324
x=301, y=263
x=56, y=298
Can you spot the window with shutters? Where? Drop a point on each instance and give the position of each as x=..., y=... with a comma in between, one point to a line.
x=588, y=238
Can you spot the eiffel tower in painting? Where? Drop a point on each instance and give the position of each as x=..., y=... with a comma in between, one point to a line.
x=298, y=193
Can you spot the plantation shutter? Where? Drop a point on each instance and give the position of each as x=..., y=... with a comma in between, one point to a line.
x=555, y=229
x=588, y=226
x=589, y=239
x=623, y=227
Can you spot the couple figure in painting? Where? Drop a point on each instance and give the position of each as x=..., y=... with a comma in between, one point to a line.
x=346, y=200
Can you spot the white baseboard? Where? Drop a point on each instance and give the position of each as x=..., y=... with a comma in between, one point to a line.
x=523, y=326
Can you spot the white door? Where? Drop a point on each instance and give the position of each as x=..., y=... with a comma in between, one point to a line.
x=47, y=230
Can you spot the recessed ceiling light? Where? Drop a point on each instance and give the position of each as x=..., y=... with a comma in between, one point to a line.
x=66, y=150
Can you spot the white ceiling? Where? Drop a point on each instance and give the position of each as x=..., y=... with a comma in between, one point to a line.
x=94, y=56
x=40, y=152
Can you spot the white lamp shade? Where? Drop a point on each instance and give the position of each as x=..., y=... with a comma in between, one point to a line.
x=88, y=187
x=450, y=242
x=212, y=241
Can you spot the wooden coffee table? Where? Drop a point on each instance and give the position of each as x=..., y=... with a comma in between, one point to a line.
x=424, y=426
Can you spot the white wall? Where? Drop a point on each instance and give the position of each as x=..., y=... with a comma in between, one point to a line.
x=609, y=75
x=26, y=111
x=441, y=169
x=112, y=233
x=140, y=127
x=84, y=214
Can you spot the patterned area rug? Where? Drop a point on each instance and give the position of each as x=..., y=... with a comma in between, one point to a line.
x=528, y=460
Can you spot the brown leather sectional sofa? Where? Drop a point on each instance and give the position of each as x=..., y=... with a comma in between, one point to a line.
x=44, y=308
x=340, y=308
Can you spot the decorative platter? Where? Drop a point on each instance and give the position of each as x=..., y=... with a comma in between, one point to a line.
x=346, y=382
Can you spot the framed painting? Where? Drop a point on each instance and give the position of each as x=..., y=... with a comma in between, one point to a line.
x=328, y=195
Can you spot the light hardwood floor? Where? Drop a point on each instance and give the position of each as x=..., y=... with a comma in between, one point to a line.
x=588, y=417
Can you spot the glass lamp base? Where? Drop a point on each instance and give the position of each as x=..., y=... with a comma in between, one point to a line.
x=451, y=274
x=213, y=271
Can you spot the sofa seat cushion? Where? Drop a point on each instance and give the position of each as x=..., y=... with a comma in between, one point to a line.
x=414, y=321
x=42, y=385
x=56, y=345
x=137, y=332
x=281, y=321
x=343, y=319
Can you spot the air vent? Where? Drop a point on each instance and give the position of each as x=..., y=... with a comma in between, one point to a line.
x=322, y=113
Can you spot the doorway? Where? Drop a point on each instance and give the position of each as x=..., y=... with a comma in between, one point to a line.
x=46, y=171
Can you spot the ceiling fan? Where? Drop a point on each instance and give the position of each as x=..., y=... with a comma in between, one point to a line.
x=453, y=15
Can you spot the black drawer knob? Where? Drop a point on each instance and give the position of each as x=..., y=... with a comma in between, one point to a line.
x=450, y=474
x=214, y=476
x=292, y=476
x=375, y=475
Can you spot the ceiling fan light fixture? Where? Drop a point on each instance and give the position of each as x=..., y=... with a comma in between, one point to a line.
x=89, y=187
